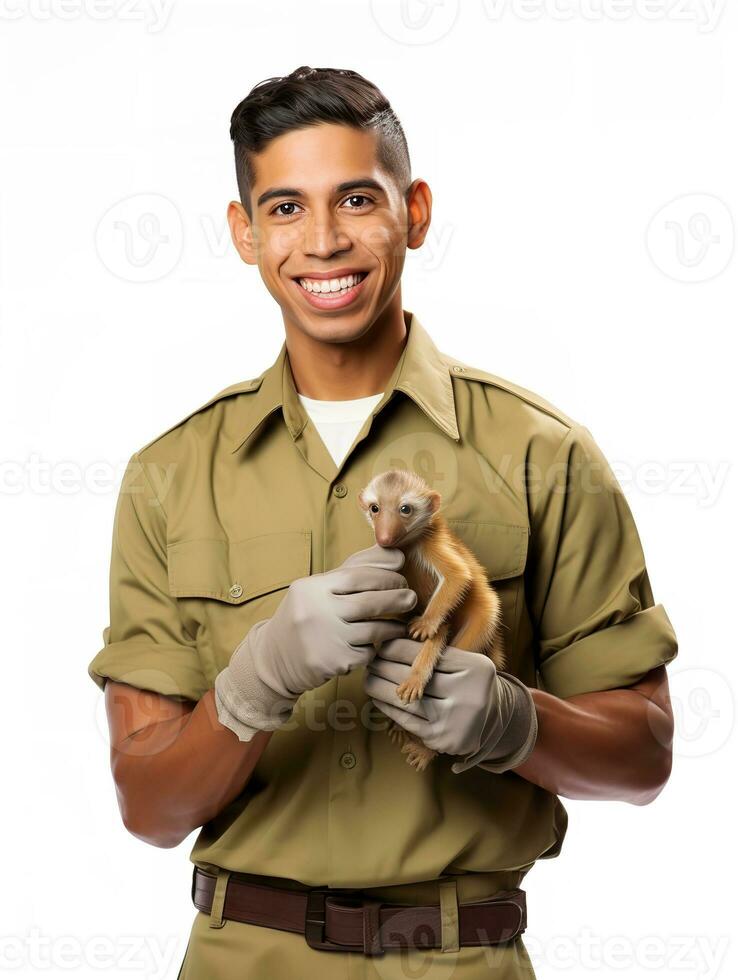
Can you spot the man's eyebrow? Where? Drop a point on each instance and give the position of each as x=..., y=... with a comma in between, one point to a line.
x=347, y=185
x=350, y=185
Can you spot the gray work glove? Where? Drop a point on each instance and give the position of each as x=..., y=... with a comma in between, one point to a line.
x=326, y=624
x=468, y=708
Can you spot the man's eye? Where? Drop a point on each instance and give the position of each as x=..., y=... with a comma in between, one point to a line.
x=362, y=200
x=285, y=204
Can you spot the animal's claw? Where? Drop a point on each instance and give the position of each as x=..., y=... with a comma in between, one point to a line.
x=411, y=689
x=418, y=755
x=397, y=734
x=420, y=629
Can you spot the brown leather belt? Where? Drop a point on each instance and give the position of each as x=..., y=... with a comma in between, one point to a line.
x=345, y=920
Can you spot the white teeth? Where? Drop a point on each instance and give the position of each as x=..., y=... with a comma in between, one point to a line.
x=339, y=286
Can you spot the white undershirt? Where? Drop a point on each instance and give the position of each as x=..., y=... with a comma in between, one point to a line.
x=339, y=422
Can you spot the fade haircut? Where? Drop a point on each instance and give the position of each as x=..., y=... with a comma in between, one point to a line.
x=306, y=97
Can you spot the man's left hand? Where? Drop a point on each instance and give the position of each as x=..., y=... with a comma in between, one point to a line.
x=468, y=708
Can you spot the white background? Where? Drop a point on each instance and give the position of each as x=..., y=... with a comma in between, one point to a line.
x=583, y=159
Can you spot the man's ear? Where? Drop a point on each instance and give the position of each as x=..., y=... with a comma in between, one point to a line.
x=419, y=206
x=242, y=232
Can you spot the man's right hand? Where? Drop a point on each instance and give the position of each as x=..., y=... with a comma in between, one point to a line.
x=327, y=624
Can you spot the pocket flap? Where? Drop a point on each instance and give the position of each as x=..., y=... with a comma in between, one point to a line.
x=235, y=571
x=501, y=548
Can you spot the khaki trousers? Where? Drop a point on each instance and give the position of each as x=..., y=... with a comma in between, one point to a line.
x=227, y=950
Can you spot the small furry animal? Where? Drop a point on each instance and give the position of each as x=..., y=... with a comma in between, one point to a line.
x=456, y=604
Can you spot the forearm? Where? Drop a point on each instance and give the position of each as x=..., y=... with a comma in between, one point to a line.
x=174, y=776
x=605, y=745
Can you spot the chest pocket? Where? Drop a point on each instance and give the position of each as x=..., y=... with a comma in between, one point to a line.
x=223, y=587
x=503, y=550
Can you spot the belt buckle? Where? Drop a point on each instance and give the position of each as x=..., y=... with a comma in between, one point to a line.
x=315, y=924
x=315, y=921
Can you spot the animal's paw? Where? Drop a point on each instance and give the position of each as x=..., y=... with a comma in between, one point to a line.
x=397, y=734
x=417, y=755
x=420, y=628
x=411, y=689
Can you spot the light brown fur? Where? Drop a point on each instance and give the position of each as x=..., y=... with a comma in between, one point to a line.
x=456, y=604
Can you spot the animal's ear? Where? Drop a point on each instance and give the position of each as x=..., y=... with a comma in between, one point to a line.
x=434, y=499
x=360, y=498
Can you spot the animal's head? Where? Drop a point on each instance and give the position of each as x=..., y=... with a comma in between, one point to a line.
x=399, y=505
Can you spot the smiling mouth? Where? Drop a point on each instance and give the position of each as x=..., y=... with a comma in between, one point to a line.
x=339, y=286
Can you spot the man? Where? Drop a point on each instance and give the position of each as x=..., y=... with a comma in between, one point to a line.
x=257, y=633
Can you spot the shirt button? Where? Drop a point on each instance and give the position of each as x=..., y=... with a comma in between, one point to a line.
x=457, y=368
x=348, y=760
x=235, y=591
x=340, y=490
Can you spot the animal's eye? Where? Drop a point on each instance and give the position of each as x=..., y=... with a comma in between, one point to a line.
x=374, y=508
x=405, y=509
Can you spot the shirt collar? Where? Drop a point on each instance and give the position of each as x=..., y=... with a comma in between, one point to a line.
x=422, y=372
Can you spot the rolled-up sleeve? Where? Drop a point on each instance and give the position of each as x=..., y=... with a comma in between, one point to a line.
x=596, y=622
x=145, y=644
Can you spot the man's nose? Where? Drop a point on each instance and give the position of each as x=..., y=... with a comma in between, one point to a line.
x=323, y=237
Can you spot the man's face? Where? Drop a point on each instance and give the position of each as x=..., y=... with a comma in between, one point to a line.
x=329, y=229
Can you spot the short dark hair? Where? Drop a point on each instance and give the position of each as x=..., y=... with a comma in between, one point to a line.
x=306, y=97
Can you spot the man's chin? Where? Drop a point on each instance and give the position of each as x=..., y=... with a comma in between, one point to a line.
x=335, y=328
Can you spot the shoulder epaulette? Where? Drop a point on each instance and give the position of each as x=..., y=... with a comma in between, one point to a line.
x=241, y=387
x=461, y=370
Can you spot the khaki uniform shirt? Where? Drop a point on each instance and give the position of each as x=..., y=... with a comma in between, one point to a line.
x=220, y=513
